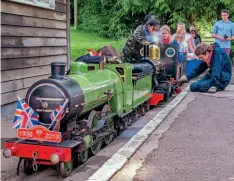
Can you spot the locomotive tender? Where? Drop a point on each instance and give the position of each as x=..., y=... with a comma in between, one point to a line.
x=103, y=99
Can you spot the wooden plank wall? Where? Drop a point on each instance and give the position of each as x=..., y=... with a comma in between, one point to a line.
x=31, y=38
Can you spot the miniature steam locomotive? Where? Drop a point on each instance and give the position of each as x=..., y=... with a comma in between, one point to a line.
x=103, y=99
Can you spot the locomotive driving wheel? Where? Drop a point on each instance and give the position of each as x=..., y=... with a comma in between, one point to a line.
x=146, y=106
x=106, y=110
x=96, y=147
x=141, y=110
x=125, y=122
x=134, y=116
x=65, y=168
x=93, y=120
x=83, y=156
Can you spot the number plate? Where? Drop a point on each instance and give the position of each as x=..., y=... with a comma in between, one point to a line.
x=39, y=133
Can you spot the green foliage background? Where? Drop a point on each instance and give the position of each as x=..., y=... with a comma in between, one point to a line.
x=116, y=19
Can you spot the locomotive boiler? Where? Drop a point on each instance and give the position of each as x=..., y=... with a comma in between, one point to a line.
x=84, y=87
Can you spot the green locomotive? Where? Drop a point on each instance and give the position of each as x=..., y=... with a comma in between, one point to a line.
x=103, y=99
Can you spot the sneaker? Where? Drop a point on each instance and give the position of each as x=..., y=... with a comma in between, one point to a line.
x=183, y=78
x=212, y=90
x=220, y=89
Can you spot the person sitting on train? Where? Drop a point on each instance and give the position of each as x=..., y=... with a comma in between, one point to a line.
x=131, y=49
x=220, y=72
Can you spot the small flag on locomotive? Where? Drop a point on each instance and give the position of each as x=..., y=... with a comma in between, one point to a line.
x=25, y=116
x=56, y=116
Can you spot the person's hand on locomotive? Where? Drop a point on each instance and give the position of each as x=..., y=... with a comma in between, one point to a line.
x=183, y=79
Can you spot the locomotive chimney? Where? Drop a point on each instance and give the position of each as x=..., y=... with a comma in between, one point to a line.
x=57, y=70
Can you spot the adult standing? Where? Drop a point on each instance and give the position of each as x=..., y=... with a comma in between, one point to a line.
x=197, y=38
x=187, y=38
x=166, y=37
x=223, y=31
x=146, y=19
x=194, y=37
x=131, y=49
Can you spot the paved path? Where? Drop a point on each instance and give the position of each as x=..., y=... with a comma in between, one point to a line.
x=194, y=143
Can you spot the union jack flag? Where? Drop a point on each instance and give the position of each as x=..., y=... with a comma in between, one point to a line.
x=25, y=116
x=56, y=116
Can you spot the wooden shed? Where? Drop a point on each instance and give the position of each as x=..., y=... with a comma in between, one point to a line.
x=34, y=33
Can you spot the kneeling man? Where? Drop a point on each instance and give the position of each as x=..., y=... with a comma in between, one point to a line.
x=220, y=72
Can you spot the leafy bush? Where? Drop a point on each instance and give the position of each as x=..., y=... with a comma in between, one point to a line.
x=203, y=27
x=232, y=51
x=104, y=18
x=116, y=19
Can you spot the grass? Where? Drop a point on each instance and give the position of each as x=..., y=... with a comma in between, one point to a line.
x=80, y=40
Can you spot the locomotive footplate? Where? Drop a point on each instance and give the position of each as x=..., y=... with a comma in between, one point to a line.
x=161, y=93
x=156, y=98
x=26, y=149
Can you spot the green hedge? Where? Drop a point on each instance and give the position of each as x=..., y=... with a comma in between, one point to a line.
x=232, y=51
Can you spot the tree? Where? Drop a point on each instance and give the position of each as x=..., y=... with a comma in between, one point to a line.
x=75, y=14
x=117, y=18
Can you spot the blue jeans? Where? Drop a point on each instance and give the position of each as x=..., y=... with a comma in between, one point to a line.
x=203, y=85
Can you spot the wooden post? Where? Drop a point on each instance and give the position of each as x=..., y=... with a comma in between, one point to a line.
x=68, y=36
x=75, y=14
